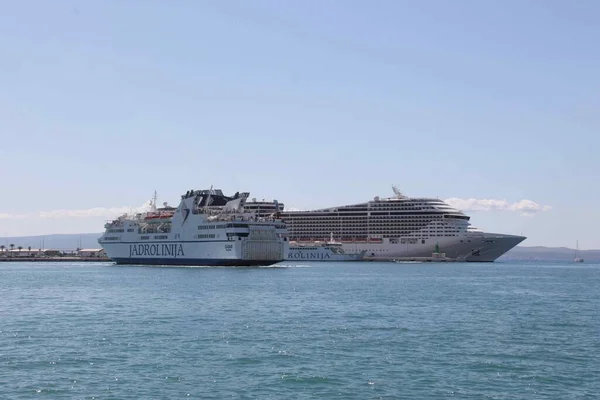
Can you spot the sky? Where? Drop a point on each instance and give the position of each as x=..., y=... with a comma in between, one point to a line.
x=492, y=106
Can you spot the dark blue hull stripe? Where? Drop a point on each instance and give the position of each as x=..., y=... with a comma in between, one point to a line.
x=195, y=261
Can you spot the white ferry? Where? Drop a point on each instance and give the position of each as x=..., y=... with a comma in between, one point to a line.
x=206, y=229
x=321, y=251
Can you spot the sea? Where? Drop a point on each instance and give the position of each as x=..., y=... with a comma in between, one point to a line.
x=364, y=330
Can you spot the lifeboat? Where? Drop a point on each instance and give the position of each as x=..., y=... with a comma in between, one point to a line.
x=161, y=216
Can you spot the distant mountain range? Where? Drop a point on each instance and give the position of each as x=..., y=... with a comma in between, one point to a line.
x=90, y=241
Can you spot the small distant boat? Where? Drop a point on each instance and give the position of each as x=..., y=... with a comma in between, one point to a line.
x=577, y=258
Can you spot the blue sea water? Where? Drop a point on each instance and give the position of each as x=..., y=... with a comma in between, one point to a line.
x=323, y=330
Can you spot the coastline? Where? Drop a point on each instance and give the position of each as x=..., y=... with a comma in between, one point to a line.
x=55, y=259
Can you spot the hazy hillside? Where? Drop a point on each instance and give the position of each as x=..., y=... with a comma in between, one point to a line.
x=57, y=242
x=549, y=253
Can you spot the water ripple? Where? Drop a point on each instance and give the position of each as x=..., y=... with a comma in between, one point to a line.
x=357, y=330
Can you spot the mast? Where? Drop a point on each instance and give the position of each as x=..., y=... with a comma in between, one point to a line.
x=208, y=199
x=577, y=258
x=153, y=202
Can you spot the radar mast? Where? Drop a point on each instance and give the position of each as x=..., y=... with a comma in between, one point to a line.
x=398, y=193
x=153, y=202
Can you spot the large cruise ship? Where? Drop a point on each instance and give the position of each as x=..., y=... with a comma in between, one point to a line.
x=207, y=228
x=390, y=228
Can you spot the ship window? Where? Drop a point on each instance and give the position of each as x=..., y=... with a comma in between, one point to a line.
x=423, y=241
x=206, y=236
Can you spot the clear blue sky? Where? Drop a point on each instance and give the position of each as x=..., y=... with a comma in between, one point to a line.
x=315, y=103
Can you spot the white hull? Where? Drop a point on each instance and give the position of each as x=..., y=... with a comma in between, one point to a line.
x=478, y=248
x=193, y=253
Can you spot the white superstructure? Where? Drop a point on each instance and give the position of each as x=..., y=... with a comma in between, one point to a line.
x=400, y=226
x=206, y=228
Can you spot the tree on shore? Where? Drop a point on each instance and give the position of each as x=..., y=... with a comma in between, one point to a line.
x=2, y=247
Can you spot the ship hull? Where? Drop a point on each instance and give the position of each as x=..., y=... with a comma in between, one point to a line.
x=198, y=253
x=477, y=248
x=493, y=246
